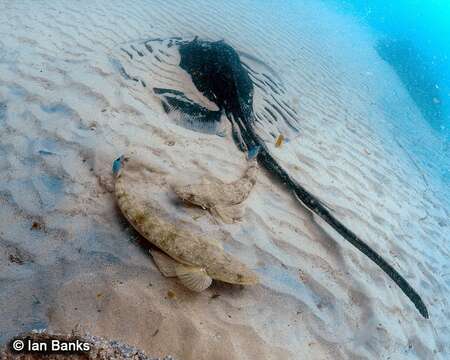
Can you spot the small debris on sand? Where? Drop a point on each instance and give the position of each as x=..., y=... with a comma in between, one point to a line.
x=279, y=141
x=15, y=259
x=171, y=294
x=36, y=226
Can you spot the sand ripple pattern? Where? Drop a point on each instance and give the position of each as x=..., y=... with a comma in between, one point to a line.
x=67, y=257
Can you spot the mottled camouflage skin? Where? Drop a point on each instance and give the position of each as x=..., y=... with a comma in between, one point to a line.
x=216, y=196
x=181, y=245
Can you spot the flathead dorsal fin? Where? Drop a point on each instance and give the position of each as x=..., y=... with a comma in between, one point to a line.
x=165, y=264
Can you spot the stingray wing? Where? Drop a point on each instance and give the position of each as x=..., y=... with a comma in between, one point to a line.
x=150, y=68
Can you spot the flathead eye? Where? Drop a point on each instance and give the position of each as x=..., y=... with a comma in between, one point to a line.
x=117, y=165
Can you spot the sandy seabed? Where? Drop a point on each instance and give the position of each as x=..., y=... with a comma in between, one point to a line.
x=68, y=258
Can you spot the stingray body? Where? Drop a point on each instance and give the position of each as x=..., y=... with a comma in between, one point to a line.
x=221, y=199
x=229, y=86
x=192, y=258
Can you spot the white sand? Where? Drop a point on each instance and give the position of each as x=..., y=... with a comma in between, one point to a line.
x=67, y=114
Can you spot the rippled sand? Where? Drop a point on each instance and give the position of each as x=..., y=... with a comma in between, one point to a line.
x=68, y=258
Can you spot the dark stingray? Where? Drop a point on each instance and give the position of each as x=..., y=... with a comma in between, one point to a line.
x=219, y=74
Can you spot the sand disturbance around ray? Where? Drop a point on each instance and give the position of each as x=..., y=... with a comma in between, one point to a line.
x=191, y=257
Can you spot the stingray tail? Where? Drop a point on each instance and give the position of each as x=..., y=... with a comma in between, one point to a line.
x=315, y=205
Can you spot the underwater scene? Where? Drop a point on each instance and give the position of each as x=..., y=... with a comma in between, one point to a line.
x=235, y=179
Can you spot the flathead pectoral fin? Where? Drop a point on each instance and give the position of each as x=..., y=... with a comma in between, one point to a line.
x=194, y=278
x=208, y=179
x=215, y=242
x=228, y=214
x=205, y=180
x=165, y=264
x=212, y=237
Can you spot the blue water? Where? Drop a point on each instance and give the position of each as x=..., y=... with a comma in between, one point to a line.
x=426, y=26
x=414, y=38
